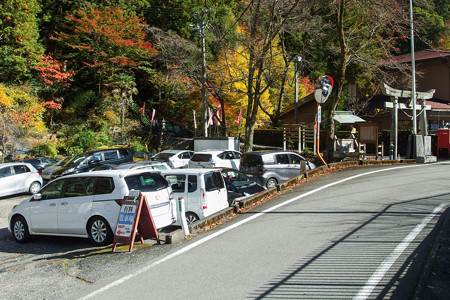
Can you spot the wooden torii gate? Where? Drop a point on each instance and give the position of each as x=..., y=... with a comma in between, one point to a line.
x=395, y=94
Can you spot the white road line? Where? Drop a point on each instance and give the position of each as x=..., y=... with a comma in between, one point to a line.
x=373, y=281
x=222, y=231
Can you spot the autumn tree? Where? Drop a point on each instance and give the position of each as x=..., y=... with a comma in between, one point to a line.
x=109, y=44
x=263, y=21
x=53, y=79
x=20, y=115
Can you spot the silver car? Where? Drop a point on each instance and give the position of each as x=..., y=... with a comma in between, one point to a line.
x=19, y=177
x=269, y=168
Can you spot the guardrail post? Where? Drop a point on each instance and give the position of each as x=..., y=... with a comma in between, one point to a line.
x=182, y=215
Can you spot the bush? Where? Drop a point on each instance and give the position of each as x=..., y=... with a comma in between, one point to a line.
x=48, y=149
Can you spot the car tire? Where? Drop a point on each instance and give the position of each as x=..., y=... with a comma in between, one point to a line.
x=99, y=231
x=271, y=183
x=34, y=187
x=20, y=230
x=191, y=218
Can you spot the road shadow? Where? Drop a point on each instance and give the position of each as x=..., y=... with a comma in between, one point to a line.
x=344, y=266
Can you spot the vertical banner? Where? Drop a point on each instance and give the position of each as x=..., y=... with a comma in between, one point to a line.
x=153, y=116
x=195, y=121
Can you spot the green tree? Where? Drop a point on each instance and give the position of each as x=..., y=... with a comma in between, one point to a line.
x=20, y=50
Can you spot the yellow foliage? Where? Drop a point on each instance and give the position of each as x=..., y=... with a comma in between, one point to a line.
x=21, y=108
x=111, y=115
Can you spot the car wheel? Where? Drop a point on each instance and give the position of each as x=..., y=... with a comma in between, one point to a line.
x=20, y=230
x=99, y=231
x=271, y=183
x=191, y=218
x=34, y=188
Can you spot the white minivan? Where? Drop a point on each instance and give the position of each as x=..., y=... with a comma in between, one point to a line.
x=203, y=190
x=88, y=205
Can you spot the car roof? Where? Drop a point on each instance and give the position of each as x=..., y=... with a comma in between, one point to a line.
x=206, y=151
x=262, y=152
x=190, y=171
x=15, y=163
x=172, y=151
x=119, y=173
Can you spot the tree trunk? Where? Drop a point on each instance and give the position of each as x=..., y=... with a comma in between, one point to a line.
x=343, y=60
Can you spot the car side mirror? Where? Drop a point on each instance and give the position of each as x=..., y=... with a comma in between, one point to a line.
x=37, y=197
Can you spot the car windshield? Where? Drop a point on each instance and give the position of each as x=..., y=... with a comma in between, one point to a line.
x=162, y=156
x=76, y=160
x=64, y=161
x=236, y=178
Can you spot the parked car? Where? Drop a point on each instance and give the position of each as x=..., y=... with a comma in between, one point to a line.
x=215, y=159
x=203, y=190
x=147, y=165
x=87, y=161
x=174, y=158
x=269, y=168
x=41, y=163
x=239, y=185
x=47, y=172
x=19, y=177
x=88, y=205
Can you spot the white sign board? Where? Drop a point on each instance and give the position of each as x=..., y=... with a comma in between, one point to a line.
x=126, y=219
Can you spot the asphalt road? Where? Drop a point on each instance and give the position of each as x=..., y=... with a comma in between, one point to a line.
x=351, y=234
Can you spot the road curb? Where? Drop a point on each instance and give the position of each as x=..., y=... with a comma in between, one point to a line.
x=252, y=201
x=437, y=259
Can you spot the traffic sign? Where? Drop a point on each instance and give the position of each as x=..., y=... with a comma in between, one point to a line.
x=323, y=89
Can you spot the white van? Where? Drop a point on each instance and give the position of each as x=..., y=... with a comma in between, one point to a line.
x=88, y=205
x=204, y=191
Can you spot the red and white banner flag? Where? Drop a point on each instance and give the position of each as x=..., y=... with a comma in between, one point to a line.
x=239, y=117
x=153, y=115
x=210, y=121
x=195, y=121
x=218, y=114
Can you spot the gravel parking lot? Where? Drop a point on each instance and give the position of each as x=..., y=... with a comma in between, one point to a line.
x=54, y=267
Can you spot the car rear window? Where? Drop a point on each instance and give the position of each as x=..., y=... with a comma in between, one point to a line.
x=124, y=153
x=146, y=182
x=201, y=157
x=251, y=160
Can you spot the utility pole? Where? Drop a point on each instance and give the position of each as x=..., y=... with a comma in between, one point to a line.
x=297, y=61
x=413, y=64
x=199, y=19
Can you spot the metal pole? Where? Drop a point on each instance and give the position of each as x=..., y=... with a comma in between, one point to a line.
x=395, y=110
x=298, y=59
x=318, y=135
x=413, y=64
x=204, y=106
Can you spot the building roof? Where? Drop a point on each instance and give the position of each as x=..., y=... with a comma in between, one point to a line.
x=347, y=117
x=422, y=55
x=302, y=101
